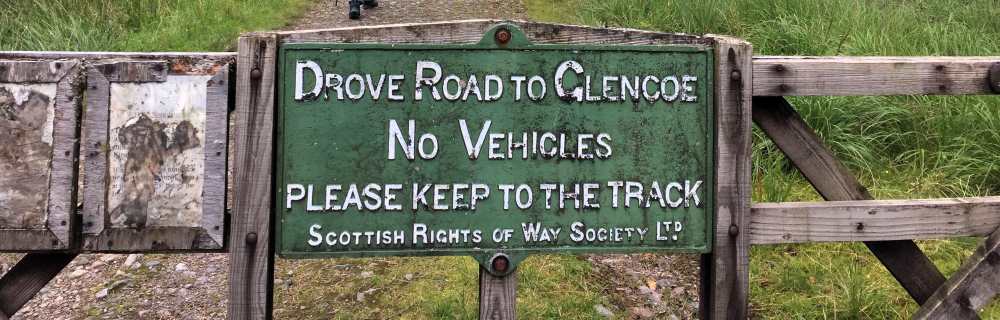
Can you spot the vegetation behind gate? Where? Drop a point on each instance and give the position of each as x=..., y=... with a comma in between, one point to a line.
x=901, y=147
x=137, y=25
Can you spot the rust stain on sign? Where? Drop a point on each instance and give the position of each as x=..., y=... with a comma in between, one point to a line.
x=26, y=125
x=157, y=157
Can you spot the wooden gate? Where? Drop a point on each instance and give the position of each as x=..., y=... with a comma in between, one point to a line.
x=77, y=116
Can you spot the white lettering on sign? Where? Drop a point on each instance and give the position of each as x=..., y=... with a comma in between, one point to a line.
x=469, y=196
x=571, y=82
x=415, y=142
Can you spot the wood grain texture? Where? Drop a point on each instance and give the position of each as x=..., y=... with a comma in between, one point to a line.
x=497, y=296
x=873, y=220
x=27, y=277
x=725, y=272
x=780, y=122
x=35, y=71
x=93, y=56
x=51, y=119
x=969, y=289
x=94, y=152
x=134, y=71
x=63, y=177
x=869, y=76
x=471, y=31
x=251, y=255
x=216, y=140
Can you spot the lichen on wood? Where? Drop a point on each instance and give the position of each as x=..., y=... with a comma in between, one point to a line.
x=26, y=126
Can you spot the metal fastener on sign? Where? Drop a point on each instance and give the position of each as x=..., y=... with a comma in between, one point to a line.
x=994, y=77
x=251, y=239
x=255, y=74
x=500, y=264
x=502, y=36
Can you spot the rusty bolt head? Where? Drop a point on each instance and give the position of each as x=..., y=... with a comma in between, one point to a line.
x=734, y=230
x=736, y=75
x=255, y=74
x=502, y=36
x=500, y=264
x=251, y=238
x=994, y=77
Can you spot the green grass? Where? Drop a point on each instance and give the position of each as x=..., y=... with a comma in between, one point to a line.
x=137, y=25
x=900, y=147
x=549, y=287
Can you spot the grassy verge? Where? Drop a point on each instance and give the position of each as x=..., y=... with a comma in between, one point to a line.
x=901, y=147
x=137, y=25
x=549, y=287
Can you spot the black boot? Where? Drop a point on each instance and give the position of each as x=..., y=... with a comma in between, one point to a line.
x=354, y=9
x=368, y=4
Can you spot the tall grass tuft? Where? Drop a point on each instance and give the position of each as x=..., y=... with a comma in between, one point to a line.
x=136, y=25
x=900, y=147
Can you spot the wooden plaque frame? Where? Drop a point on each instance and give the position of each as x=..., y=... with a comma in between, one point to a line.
x=58, y=232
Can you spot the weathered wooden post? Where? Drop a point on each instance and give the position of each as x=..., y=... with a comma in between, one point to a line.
x=725, y=272
x=251, y=254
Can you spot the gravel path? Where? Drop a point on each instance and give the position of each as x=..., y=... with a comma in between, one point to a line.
x=333, y=14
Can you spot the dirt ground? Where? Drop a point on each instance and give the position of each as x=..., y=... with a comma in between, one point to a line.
x=99, y=286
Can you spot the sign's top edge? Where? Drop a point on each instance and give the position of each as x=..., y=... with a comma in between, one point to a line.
x=335, y=46
x=470, y=31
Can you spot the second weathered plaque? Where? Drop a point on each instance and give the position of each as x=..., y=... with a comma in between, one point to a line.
x=155, y=154
x=500, y=146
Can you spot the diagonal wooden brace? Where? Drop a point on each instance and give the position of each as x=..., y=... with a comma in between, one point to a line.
x=971, y=288
x=27, y=277
x=779, y=120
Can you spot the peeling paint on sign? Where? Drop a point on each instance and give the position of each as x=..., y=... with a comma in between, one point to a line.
x=156, y=162
x=26, y=125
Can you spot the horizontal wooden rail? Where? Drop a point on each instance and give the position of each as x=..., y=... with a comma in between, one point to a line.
x=872, y=76
x=873, y=220
x=22, y=55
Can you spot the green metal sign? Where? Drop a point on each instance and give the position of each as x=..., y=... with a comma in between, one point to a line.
x=502, y=146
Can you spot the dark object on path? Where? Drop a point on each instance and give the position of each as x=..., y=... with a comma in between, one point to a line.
x=354, y=7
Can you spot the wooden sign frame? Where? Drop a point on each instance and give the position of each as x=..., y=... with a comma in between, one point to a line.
x=724, y=271
x=99, y=232
x=58, y=231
